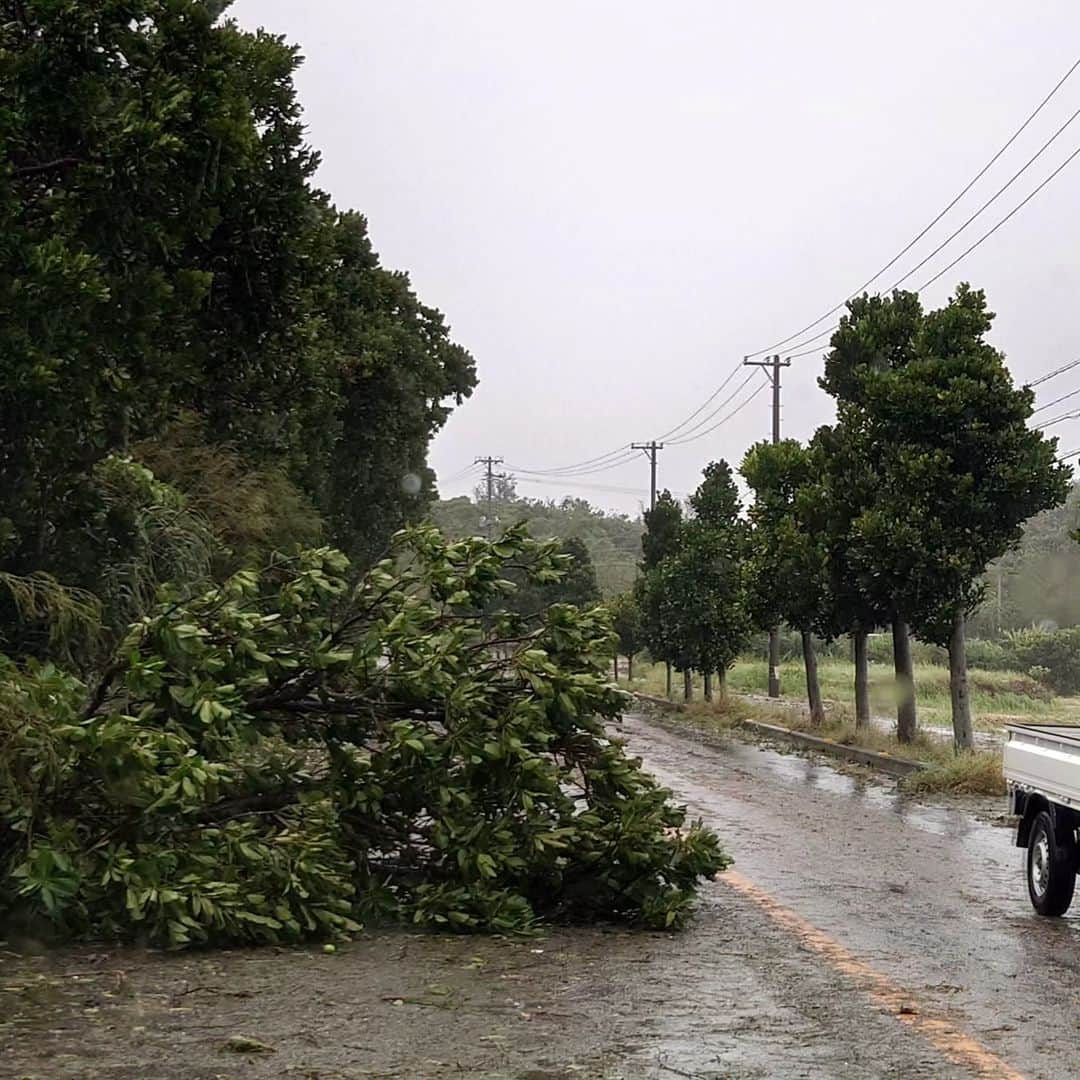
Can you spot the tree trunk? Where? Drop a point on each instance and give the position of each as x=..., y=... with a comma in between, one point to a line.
x=616, y=663
x=688, y=685
x=906, y=721
x=721, y=678
x=708, y=686
x=630, y=666
x=813, y=688
x=668, y=667
x=862, y=679
x=774, y=662
x=963, y=737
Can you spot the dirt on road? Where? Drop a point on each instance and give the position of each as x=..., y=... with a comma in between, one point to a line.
x=864, y=934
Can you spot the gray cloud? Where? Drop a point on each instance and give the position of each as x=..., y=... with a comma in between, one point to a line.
x=612, y=202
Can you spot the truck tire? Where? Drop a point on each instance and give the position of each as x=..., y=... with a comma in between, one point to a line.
x=1051, y=867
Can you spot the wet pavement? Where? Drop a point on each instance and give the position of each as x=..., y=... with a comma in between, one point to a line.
x=933, y=897
x=865, y=935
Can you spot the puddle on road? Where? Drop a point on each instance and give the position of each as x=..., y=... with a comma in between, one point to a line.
x=799, y=770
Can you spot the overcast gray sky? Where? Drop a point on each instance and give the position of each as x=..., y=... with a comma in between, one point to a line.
x=612, y=202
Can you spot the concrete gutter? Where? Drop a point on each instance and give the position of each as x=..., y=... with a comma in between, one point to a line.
x=886, y=763
x=894, y=766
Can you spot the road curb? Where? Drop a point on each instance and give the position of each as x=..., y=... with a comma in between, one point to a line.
x=886, y=763
x=894, y=766
x=660, y=702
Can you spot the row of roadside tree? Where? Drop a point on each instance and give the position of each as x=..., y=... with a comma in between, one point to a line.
x=886, y=518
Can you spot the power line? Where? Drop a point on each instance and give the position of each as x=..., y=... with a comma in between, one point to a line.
x=986, y=236
x=1056, y=401
x=993, y=198
x=594, y=487
x=1055, y=373
x=1058, y=420
x=903, y=251
x=963, y=254
x=623, y=451
x=568, y=474
x=738, y=408
x=687, y=435
x=704, y=405
x=460, y=474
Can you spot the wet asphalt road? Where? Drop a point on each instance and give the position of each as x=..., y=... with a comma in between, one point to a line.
x=866, y=935
x=933, y=898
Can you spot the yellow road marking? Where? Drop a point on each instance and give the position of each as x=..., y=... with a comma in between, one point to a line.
x=958, y=1047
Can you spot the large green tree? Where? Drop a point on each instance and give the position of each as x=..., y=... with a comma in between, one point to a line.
x=844, y=485
x=957, y=467
x=398, y=374
x=787, y=573
x=162, y=252
x=692, y=597
x=704, y=579
x=294, y=751
x=661, y=540
x=154, y=216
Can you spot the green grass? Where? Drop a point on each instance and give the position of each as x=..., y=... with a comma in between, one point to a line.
x=997, y=697
x=977, y=773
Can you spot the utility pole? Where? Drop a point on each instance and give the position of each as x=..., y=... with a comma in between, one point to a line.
x=489, y=463
x=650, y=449
x=772, y=366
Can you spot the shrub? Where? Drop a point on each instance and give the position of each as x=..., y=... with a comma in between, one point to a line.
x=1052, y=656
x=879, y=650
x=285, y=756
x=989, y=655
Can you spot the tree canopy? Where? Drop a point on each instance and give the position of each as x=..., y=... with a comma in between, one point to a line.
x=164, y=254
x=613, y=540
x=293, y=752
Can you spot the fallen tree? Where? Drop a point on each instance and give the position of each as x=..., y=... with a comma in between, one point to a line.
x=290, y=755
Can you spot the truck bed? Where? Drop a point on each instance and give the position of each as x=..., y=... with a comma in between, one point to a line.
x=1044, y=758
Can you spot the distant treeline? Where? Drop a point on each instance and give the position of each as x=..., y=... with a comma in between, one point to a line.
x=613, y=540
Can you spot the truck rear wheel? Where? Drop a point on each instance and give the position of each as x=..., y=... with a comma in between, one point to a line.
x=1051, y=867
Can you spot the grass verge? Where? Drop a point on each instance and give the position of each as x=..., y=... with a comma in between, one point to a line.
x=997, y=697
x=974, y=773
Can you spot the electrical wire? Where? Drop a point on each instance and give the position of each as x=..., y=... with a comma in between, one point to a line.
x=460, y=475
x=683, y=437
x=986, y=236
x=625, y=460
x=592, y=487
x=903, y=251
x=600, y=459
x=963, y=254
x=708, y=431
x=1055, y=373
x=711, y=398
x=1058, y=420
x=1056, y=401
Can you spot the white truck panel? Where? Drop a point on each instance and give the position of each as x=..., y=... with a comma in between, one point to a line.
x=1044, y=758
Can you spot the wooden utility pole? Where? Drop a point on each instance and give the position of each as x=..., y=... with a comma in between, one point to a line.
x=772, y=366
x=650, y=449
x=489, y=463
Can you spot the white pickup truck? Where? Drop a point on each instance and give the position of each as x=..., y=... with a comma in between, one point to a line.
x=1042, y=770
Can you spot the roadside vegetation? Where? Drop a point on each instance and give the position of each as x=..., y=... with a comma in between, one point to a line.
x=997, y=697
x=886, y=520
x=612, y=542
x=976, y=772
x=239, y=702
